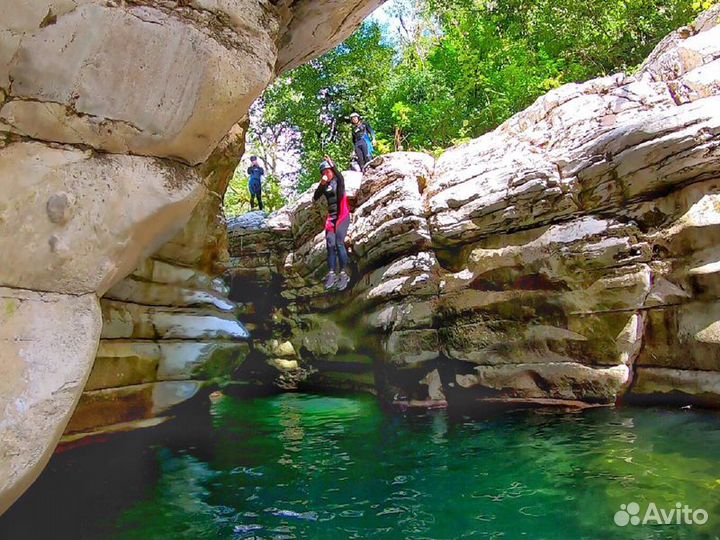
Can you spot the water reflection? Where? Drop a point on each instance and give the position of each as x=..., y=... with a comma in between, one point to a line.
x=339, y=468
x=439, y=428
x=304, y=466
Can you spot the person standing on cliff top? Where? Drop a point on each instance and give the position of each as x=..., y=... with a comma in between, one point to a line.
x=363, y=138
x=255, y=174
x=332, y=186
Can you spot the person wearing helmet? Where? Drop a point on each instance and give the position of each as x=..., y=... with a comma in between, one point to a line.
x=362, y=134
x=332, y=187
x=255, y=174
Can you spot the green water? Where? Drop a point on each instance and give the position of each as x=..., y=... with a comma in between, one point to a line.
x=307, y=466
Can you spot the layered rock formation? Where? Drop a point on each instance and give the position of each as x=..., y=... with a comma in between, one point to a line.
x=553, y=259
x=570, y=255
x=117, y=120
x=168, y=326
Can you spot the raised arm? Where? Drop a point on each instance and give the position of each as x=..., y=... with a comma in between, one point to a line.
x=340, y=179
x=318, y=192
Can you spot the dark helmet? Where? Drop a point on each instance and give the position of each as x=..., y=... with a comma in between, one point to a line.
x=324, y=166
x=253, y=158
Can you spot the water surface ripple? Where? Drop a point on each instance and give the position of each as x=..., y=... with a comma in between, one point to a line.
x=308, y=466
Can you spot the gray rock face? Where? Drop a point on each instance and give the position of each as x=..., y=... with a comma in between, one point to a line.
x=120, y=125
x=47, y=342
x=86, y=246
x=557, y=257
x=570, y=255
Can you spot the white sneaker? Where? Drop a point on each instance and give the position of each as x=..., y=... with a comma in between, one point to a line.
x=330, y=281
x=343, y=281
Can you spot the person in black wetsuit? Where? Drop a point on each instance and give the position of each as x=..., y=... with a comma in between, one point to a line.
x=255, y=174
x=332, y=186
x=362, y=133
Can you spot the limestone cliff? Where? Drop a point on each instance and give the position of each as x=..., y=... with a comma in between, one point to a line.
x=118, y=129
x=553, y=258
x=570, y=255
x=168, y=325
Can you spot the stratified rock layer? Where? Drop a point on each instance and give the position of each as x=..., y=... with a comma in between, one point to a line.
x=570, y=255
x=120, y=125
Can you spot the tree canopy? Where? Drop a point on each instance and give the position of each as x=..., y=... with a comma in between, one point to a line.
x=449, y=70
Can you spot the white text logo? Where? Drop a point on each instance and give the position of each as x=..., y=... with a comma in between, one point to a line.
x=629, y=514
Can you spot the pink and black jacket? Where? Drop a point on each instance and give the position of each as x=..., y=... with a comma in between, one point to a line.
x=338, y=205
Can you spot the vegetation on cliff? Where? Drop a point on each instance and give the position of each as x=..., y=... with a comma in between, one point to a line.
x=430, y=73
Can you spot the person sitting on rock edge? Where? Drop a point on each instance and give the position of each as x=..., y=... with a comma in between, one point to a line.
x=255, y=174
x=363, y=138
x=332, y=186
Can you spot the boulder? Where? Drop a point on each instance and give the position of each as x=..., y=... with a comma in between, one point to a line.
x=63, y=214
x=47, y=346
x=106, y=409
x=175, y=92
x=562, y=381
x=666, y=385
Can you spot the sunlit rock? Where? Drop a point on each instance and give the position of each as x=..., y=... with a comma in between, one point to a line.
x=120, y=126
x=562, y=380
x=546, y=261
x=69, y=209
x=664, y=385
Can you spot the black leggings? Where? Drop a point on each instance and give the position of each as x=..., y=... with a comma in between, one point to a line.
x=335, y=242
x=253, y=196
x=362, y=152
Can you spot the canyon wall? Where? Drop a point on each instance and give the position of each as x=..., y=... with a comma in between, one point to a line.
x=120, y=123
x=570, y=256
